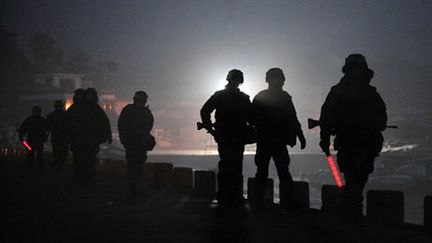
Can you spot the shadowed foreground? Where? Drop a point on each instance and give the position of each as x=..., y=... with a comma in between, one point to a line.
x=48, y=207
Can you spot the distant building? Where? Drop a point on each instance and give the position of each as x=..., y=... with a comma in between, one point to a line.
x=48, y=87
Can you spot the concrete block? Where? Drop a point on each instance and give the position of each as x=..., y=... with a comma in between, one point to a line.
x=162, y=174
x=428, y=212
x=386, y=206
x=330, y=197
x=269, y=192
x=113, y=167
x=183, y=178
x=147, y=172
x=300, y=193
x=205, y=183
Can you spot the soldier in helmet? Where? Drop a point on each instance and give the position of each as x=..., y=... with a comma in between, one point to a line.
x=89, y=127
x=74, y=114
x=229, y=130
x=276, y=121
x=356, y=114
x=134, y=126
x=35, y=128
x=59, y=140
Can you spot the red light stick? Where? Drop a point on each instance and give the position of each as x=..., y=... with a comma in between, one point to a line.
x=27, y=145
x=335, y=171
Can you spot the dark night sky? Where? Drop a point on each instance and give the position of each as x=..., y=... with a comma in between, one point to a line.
x=182, y=50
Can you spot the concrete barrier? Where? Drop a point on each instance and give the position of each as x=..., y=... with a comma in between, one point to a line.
x=386, y=206
x=205, y=183
x=330, y=197
x=427, y=218
x=301, y=193
x=147, y=173
x=113, y=167
x=183, y=178
x=268, y=195
x=162, y=174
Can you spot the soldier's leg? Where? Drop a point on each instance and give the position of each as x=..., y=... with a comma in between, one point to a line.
x=92, y=157
x=135, y=161
x=39, y=156
x=236, y=175
x=225, y=155
x=77, y=158
x=30, y=159
x=282, y=161
x=63, y=153
x=87, y=160
x=55, y=156
x=83, y=165
x=262, y=160
x=356, y=176
x=352, y=198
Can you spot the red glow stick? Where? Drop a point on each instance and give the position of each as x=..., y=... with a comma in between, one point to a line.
x=27, y=145
x=335, y=171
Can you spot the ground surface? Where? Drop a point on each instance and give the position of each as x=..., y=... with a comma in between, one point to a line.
x=50, y=207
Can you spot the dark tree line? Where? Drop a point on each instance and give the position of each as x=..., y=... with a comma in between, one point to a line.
x=42, y=54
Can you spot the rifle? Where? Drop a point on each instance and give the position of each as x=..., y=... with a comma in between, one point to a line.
x=314, y=123
x=200, y=126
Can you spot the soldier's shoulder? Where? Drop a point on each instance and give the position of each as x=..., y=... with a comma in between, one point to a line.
x=128, y=107
x=244, y=95
x=51, y=115
x=262, y=93
x=219, y=93
x=286, y=95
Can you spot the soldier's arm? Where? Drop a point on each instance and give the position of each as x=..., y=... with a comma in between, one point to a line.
x=23, y=129
x=381, y=113
x=208, y=107
x=106, y=126
x=327, y=120
x=149, y=121
x=248, y=110
x=257, y=115
x=297, y=125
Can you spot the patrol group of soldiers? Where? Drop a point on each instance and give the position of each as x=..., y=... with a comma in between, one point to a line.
x=353, y=111
x=84, y=127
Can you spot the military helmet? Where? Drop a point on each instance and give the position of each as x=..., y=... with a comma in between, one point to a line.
x=36, y=109
x=91, y=95
x=140, y=95
x=58, y=104
x=355, y=61
x=274, y=74
x=78, y=95
x=235, y=75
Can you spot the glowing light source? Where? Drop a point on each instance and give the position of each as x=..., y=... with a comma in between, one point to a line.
x=29, y=148
x=335, y=171
x=68, y=103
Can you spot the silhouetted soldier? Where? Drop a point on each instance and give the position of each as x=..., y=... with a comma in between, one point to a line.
x=59, y=139
x=134, y=126
x=232, y=112
x=74, y=115
x=354, y=112
x=35, y=128
x=276, y=120
x=89, y=127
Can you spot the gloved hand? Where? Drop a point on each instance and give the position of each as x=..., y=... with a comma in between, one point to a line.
x=325, y=146
x=302, y=141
